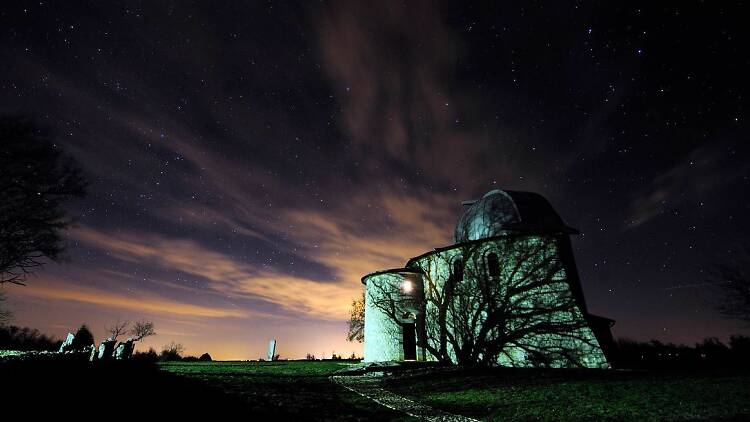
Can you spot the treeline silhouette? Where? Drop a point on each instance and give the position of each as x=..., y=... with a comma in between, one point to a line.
x=709, y=354
x=171, y=352
x=26, y=339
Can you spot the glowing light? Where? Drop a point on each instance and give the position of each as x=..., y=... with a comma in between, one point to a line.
x=407, y=287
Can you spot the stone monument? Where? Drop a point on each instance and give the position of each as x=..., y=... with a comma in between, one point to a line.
x=92, y=356
x=271, y=349
x=65, y=346
x=106, y=349
x=124, y=350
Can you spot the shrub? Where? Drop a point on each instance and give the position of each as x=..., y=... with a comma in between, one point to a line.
x=172, y=351
x=83, y=338
x=17, y=338
x=711, y=353
x=150, y=356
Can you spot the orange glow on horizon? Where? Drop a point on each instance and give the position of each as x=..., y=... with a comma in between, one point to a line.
x=305, y=315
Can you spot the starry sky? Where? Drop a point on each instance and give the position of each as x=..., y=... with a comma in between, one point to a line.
x=250, y=161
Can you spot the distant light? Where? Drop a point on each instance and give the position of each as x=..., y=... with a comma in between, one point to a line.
x=407, y=287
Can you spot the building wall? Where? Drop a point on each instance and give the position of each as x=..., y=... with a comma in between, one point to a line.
x=383, y=335
x=437, y=267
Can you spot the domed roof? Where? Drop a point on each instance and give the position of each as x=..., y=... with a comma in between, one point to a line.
x=501, y=211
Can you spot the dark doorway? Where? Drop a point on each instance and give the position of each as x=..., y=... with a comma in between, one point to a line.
x=410, y=341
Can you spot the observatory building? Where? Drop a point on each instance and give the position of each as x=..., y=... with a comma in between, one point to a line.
x=506, y=292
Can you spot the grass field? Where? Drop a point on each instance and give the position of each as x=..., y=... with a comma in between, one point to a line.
x=508, y=394
x=302, y=390
x=501, y=394
x=272, y=391
x=297, y=390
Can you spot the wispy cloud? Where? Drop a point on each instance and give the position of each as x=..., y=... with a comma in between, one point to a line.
x=334, y=240
x=699, y=176
x=392, y=66
x=142, y=302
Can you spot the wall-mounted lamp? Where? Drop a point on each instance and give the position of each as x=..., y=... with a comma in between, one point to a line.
x=407, y=286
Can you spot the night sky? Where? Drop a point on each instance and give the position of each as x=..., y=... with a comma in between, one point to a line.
x=249, y=163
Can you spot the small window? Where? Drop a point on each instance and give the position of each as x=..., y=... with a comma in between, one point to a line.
x=457, y=272
x=493, y=265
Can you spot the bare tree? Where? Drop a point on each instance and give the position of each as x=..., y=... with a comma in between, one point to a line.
x=142, y=329
x=36, y=181
x=475, y=308
x=172, y=351
x=117, y=329
x=357, y=320
x=732, y=279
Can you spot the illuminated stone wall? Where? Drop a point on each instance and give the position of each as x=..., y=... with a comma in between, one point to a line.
x=383, y=335
x=437, y=267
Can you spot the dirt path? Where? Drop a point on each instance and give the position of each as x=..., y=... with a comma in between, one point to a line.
x=369, y=386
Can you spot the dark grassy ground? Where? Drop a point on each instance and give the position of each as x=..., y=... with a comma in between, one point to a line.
x=273, y=391
x=297, y=390
x=509, y=394
x=302, y=391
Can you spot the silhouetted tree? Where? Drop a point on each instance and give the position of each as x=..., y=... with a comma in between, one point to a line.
x=732, y=278
x=713, y=349
x=150, y=356
x=710, y=353
x=17, y=338
x=142, y=329
x=117, y=329
x=83, y=338
x=205, y=358
x=36, y=181
x=357, y=320
x=740, y=345
x=172, y=351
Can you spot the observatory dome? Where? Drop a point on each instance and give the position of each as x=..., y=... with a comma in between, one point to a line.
x=500, y=212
